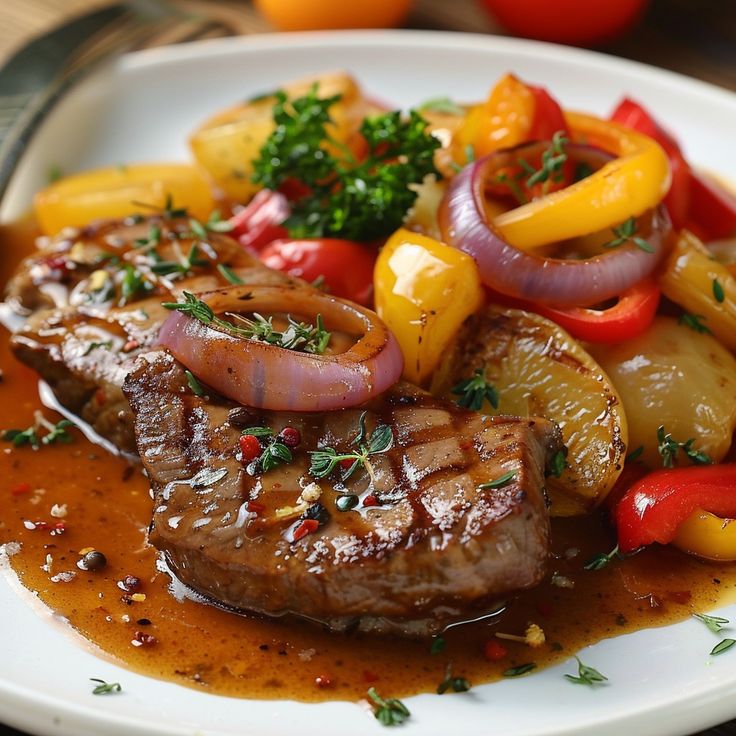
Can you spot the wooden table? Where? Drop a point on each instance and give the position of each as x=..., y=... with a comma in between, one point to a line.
x=693, y=38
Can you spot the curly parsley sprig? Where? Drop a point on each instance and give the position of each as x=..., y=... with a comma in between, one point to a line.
x=359, y=200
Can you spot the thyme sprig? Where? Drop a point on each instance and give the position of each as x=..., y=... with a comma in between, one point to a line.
x=388, y=711
x=554, y=158
x=626, y=232
x=182, y=267
x=54, y=433
x=474, y=391
x=586, y=675
x=714, y=623
x=669, y=447
x=324, y=461
x=601, y=560
x=301, y=336
x=105, y=688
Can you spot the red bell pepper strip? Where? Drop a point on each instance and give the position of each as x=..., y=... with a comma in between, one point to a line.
x=633, y=115
x=652, y=509
x=260, y=221
x=712, y=207
x=693, y=201
x=548, y=116
x=629, y=317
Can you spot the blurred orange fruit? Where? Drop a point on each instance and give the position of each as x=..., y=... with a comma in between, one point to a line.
x=311, y=15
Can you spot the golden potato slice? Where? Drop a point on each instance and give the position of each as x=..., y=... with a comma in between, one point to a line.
x=675, y=377
x=227, y=144
x=539, y=370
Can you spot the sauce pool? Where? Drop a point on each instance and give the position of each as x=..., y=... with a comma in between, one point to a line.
x=65, y=499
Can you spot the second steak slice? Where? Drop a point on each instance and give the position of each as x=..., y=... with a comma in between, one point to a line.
x=424, y=544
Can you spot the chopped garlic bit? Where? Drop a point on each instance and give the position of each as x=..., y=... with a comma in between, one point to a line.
x=305, y=655
x=310, y=494
x=533, y=636
x=286, y=512
x=58, y=511
x=562, y=581
x=138, y=597
x=47, y=566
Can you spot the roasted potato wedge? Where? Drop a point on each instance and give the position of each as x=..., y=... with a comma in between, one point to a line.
x=677, y=378
x=539, y=370
x=226, y=144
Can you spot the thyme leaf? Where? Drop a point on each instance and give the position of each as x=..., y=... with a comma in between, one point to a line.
x=450, y=682
x=722, y=646
x=388, y=711
x=520, y=670
x=695, y=322
x=473, y=391
x=500, y=481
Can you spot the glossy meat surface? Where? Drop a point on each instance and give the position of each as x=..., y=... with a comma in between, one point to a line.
x=93, y=298
x=424, y=545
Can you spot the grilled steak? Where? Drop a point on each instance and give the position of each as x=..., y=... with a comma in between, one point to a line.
x=94, y=297
x=419, y=546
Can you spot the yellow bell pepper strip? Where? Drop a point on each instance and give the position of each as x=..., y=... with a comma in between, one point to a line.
x=708, y=536
x=702, y=286
x=424, y=291
x=514, y=113
x=655, y=509
x=632, y=183
x=119, y=191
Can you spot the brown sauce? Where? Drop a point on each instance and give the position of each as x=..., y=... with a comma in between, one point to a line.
x=106, y=505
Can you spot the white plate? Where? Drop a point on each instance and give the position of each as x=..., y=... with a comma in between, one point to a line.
x=661, y=680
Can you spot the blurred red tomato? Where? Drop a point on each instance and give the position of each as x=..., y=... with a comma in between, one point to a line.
x=312, y=15
x=577, y=22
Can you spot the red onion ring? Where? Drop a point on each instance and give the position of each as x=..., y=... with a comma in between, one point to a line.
x=554, y=281
x=266, y=376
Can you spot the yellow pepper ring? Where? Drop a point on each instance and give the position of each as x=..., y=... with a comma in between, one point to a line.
x=707, y=536
x=634, y=182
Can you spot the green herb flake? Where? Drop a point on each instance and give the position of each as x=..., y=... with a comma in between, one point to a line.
x=105, y=688
x=450, y=682
x=474, y=391
x=20, y=437
x=388, y=711
x=695, y=322
x=520, y=670
x=438, y=645
x=718, y=294
x=714, y=623
x=193, y=383
x=634, y=455
x=558, y=463
x=586, y=675
x=229, y=275
x=59, y=433
x=501, y=481
x=722, y=646
x=106, y=345
x=441, y=105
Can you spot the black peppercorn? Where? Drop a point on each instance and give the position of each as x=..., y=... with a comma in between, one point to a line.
x=317, y=512
x=92, y=561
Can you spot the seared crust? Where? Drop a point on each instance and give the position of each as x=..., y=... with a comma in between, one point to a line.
x=438, y=549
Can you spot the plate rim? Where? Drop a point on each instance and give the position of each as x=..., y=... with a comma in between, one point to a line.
x=44, y=706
